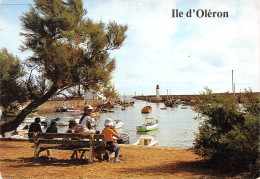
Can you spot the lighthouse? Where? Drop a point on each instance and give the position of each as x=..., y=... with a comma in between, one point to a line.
x=157, y=98
x=157, y=91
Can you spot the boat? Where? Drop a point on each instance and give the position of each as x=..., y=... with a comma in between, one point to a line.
x=104, y=110
x=15, y=113
x=124, y=137
x=72, y=109
x=126, y=103
x=146, y=140
x=163, y=108
x=117, y=106
x=10, y=114
x=190, y=103
x=150, y=124
x=146, y=109
x=118, y=124
x=123, y=108
x=61, y=109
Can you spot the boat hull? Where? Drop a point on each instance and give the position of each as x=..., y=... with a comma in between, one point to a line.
x=147, y=128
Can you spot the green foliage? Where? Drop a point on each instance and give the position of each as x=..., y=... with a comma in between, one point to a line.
x=228, y=131
x=11, y=89
x=110, y=92
x=68, y=48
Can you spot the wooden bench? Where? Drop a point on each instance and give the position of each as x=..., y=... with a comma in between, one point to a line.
x=94, y=143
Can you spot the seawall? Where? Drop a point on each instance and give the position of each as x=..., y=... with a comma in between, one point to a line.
x=51, y=106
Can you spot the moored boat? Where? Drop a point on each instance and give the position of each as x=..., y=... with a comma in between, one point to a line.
x=124, y=137
x=146, y=109
x=61, y=109
x=150, y=124
x=118, y=124
x=72, y=109
x=146, y=140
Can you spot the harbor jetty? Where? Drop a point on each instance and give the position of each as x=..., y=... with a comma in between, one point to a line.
x=150, y=98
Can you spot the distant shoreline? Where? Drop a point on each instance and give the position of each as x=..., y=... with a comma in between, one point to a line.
x=51, y=106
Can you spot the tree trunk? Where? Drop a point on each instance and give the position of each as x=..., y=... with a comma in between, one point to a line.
x=12, y=125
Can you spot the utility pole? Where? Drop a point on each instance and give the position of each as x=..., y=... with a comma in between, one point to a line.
x=232, y=83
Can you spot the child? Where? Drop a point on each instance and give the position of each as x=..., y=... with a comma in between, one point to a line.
x=109, y=133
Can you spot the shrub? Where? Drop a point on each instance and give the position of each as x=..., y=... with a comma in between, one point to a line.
x=228, y=133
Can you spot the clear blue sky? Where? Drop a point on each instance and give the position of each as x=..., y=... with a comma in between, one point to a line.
x=182, y=55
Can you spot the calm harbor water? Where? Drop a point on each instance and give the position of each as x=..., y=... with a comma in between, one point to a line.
x=176, y=128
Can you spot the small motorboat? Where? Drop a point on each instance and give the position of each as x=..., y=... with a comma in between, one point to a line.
x=124, y=137
x=149, y=124
x=146, y=109
x=61, y=109
x=146, y=140
x=117, y=106
x=104, y=110
x=72, y=109
x=163, y=108
x=118, y=124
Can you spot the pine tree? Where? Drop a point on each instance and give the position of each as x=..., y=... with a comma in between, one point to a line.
x=67, y=48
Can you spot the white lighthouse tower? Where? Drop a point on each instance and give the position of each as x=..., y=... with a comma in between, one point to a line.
x=157, y=98
x=157, y=91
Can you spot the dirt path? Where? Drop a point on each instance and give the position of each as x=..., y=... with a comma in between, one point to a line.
x=16, y=161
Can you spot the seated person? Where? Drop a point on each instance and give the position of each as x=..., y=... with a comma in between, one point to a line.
x=72, y=127
x=35, y=127
x=52, y=129
x=109, y=133
x=85, y=127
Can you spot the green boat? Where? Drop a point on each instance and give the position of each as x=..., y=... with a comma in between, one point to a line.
x=150, y=124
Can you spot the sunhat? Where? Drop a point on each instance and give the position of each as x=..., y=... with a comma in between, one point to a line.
x=88, y=107
x=108, y=122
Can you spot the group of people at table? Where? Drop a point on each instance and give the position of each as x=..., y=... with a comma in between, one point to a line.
x=84, y=127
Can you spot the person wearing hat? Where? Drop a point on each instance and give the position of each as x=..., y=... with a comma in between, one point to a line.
x=85, y=120
x=109, y=133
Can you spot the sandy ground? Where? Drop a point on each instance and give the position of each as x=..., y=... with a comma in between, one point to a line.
x=16, y=160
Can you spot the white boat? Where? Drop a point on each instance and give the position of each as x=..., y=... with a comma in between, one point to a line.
x=72, y=109
x=61, y=121
x=150, y=124
x=146, y=140
x=118, y=124
x=117, y=106
x=124, y=137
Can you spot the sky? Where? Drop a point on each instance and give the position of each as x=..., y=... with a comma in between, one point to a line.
x=181, y=54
